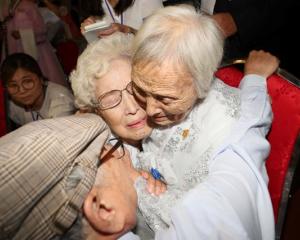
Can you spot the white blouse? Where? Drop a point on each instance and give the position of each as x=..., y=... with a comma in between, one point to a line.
x=58, y=102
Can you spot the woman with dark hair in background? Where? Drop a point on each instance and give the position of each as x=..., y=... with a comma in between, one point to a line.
x=31, y=97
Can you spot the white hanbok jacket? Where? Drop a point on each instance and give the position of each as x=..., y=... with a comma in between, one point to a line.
x=214, y=165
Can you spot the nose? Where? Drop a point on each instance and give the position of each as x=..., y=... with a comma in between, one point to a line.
x=131, y=105
x=152, y=107
x=21, y=89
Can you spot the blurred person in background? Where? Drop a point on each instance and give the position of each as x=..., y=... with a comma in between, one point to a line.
x=55, y=26
x=246, y=25
x=124, y=15
x=31, y=97
x=26, y=32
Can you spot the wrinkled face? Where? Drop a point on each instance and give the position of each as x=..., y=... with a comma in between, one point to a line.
x=127, y=120
x=24, y=87
x=166, y=92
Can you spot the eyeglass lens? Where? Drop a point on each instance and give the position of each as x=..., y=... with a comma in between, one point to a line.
x=26, y=84
x=113, y=98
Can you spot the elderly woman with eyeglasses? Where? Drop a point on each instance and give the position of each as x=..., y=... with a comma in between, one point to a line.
x=101, y=84
x=31, y=96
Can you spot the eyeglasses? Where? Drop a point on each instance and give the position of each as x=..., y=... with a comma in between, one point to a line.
x=112, y=98
x=118, y=146
x=26, y=84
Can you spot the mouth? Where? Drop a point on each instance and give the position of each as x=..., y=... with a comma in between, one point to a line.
x=159, y=118
x=24, y=99
x=138, y=123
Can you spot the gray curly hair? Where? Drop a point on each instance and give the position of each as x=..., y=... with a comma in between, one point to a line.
x=94, y=63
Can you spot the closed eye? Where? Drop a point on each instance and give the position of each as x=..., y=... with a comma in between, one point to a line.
x=165, y=99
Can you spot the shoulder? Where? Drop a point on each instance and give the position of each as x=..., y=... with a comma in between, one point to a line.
x=59, y=101
x=222, y=102
x=55, y=91
x=16, y=113
x=229, y=97
x=219, y=87
x=220, y=93
x=41, y=146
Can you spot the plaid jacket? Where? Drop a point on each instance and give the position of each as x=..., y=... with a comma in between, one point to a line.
x=36, y=162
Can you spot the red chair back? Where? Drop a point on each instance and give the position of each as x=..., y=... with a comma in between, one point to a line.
x=284, y=131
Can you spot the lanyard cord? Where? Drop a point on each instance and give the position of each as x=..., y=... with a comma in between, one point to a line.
x=110, y=12
x=38, y=115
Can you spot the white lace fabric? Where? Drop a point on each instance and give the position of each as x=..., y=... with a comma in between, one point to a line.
x=182, y=152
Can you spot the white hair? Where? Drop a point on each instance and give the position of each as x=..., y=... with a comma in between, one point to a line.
x=94, y=63
x=185, y=38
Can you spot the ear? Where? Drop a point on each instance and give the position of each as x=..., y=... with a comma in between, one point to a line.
x=100, y=213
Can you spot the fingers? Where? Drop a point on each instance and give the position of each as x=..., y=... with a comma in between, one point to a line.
x=154, y=186
x=160, y=187
x=261, y=63
x=145, y=174
x=127, y=159
x=113, y=28
x=108, y=152
x=86, y=22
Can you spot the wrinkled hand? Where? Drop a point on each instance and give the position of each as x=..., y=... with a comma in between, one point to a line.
x=88, y=21
x=116, y=27
x=226, y=23
x=154, y=186
x=261, y=63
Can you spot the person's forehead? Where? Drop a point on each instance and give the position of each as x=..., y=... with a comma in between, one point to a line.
x=116, y=78
x=154, y=75
x=21, y=73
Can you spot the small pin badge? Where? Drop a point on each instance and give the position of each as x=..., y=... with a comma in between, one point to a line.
x=185, y=133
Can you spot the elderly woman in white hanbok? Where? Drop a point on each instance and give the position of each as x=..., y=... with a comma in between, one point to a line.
x=207, y=132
